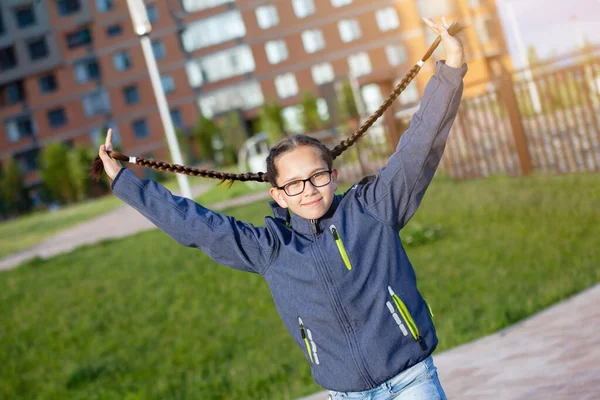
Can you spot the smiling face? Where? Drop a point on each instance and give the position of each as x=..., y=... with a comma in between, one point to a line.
x=302, y=163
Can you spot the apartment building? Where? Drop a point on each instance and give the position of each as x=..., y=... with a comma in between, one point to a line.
x=71, y=68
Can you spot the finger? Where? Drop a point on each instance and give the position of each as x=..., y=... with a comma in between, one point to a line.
x=108, y=142
x=102, y=152
x=445, y=22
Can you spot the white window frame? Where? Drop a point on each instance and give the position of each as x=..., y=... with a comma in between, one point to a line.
x=387, y=19
x=396, y=54
x=267, y=16
x=322, y=73
x=313, y=40
x=359, y=64
x=277, y=51
x=286, y=85
x=303, y=8
x=349, y=30
x=340, y=3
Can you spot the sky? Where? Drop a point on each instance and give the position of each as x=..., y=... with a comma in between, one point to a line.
x=548, y=25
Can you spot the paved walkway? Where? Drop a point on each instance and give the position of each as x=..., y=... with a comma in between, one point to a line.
x=554, y=354
x=128, y=221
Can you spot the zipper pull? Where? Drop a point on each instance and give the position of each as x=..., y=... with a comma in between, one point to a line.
x=334, y=232
x=302, y=332
x=314, y=226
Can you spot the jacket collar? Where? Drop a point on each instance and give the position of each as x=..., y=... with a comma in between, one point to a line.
x=302, y=225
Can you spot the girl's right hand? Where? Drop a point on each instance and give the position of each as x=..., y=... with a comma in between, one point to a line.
x=111, y=166
x=455, y=53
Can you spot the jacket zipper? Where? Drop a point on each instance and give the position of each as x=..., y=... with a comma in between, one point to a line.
x=311, y=347
x=315, y=229
x=340, y=246
x=412, y=327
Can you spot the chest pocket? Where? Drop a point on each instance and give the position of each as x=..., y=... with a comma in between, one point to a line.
x=340, y=246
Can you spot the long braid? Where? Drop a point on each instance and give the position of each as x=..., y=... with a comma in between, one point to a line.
x=98, y=167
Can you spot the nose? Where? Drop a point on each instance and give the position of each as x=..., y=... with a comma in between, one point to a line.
x=309, y=188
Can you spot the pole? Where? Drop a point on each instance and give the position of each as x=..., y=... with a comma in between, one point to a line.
x=535, y=98
x=142, y=28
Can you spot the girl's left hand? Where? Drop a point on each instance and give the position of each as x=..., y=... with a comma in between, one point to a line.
x=455, y=54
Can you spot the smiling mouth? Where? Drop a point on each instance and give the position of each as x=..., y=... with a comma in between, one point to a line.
x=312, y=203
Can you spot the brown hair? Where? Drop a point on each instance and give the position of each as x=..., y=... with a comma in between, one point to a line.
x=285, y=144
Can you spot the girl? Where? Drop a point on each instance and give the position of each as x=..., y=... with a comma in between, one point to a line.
x=339, y=276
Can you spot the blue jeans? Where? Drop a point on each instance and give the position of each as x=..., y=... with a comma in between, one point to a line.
x=419, y=382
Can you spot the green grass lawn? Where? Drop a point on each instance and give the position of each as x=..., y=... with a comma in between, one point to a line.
x=21, y=233
x=144, y=318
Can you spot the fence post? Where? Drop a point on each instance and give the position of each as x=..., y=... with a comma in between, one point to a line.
x=507, y=94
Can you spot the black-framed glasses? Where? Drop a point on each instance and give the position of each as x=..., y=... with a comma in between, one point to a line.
x=294, y=188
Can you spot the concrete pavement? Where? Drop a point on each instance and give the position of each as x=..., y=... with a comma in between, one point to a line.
x=554, y=354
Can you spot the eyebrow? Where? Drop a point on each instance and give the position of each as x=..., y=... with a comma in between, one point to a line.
x=320, y=169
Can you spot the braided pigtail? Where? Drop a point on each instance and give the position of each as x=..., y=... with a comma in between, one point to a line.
x=453, y=30
x=98, y=167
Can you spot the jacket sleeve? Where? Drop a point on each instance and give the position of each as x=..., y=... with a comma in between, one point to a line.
x=396, y=193
x=233, y=243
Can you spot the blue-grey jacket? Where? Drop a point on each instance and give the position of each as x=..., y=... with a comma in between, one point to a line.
x=342, y=284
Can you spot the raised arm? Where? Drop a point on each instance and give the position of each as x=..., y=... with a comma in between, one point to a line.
x=233, y=243
x=396, y=193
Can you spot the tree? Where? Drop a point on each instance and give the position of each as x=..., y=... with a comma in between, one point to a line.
x=205, y=132
x=79, y=161
x=272, y=122
x=347, y=103
x=55, y=172
x=12, y=189
x=311, y=119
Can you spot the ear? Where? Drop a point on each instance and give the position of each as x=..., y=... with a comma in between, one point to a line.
x=279, y=197
x=334, y=179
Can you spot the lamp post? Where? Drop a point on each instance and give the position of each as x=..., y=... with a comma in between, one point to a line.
x=142, y=28
x=533, y=92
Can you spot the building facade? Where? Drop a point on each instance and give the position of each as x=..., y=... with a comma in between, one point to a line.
x=71, y=68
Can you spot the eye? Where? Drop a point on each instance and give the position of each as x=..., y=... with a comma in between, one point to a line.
x=293, y=184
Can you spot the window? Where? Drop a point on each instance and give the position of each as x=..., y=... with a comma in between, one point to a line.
x=176, y=118
x=435, y=8
x=387, y=19
x=152, y=12
x=28, y=160
x=210, y=31
x=286, y=85
x=158, y=48
x=313, y=40
x=481, y=27
x=12, y=93
x=131, y=94
x=340, y=3
x=140, y=129
x=396, y=54
x=81, y=37
x=196, y=5
x=245, y=96
x=104, y=5
x=86, y=70
x=360, y=64
x=48, y=83
x=57, y=117
x=221, y=65
x=37, y=49
x=371, y=96
x=292, y=117
x=96, y=103
x=474, y=3
x=25, y=17
x=19, y=128
x=276, y=51
x=114, y=30
x=303, y=8
x=67, y=7
x=267, y=16
x=121, y=61
x=410, y=94
x=167, y=83
x=349, y=30
x=8, y=60
x=322, y=73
